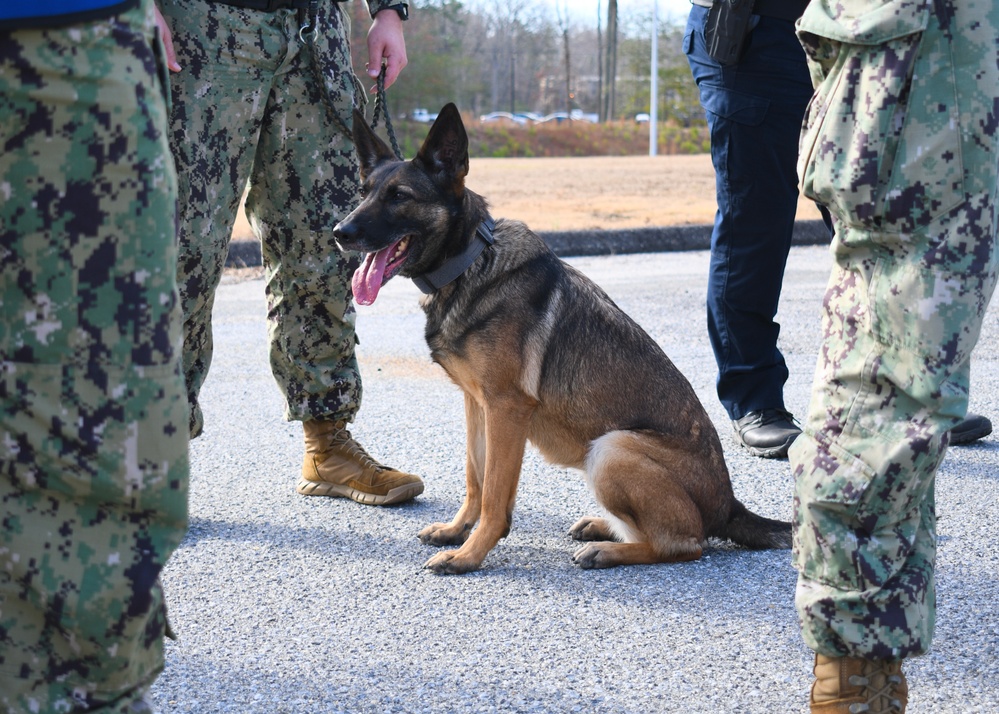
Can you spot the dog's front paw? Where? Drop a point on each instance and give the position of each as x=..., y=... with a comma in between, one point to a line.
x=444, y=534
x=451, y=562
x=592, y=556
x=591, y=528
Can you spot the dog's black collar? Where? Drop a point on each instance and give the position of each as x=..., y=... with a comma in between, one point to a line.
x=453, y=267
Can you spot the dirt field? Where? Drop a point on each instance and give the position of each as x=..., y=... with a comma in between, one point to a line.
x=598, y=192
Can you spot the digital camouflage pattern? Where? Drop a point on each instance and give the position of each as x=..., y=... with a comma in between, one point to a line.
x=93, y=439
x=247, y=106
x=900, y=143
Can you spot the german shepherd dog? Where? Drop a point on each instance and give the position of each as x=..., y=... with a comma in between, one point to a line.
x=541, y=354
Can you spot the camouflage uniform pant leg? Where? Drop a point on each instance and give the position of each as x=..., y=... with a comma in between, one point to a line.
x=907, y=165
x=93, y=444
x=305, y=179
x=247, y=107
x=219, y=98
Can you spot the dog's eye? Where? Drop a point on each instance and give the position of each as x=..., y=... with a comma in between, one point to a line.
x=400, y=195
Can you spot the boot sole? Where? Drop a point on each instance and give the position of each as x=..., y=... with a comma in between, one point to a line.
x=768, y=452
x=399, y=494
x=962, y=438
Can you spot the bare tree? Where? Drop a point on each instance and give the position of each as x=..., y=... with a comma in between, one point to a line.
x=522, y=55
x=563, y=26
x=600, y=75
x=508, y=30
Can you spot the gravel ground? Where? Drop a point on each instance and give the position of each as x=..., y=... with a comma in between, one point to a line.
x=284, y=603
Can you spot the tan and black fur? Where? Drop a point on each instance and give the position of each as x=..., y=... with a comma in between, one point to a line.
x=543, y=355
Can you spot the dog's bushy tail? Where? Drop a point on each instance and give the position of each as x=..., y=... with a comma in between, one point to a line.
x=752, y=531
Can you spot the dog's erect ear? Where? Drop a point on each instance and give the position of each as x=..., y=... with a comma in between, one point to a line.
x=445, y=150
x=371, y=150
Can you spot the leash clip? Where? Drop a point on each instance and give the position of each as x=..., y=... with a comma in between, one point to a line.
x=309, y=23
x=307, y=31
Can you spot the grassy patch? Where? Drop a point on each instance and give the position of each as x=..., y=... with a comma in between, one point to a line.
x=570, y=138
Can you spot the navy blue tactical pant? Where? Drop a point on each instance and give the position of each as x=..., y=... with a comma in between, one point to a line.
x=754, y=110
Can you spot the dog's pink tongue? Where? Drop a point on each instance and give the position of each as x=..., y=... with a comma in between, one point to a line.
x=368, y=278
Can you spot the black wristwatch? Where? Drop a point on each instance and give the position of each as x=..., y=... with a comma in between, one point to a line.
x=402, y=8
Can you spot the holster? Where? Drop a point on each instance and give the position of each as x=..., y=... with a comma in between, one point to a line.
x=727, y=28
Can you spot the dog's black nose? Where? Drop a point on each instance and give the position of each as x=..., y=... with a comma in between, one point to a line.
x=344, y=233
x=343, y=230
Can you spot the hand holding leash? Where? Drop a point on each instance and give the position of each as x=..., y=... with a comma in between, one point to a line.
x=386, y=47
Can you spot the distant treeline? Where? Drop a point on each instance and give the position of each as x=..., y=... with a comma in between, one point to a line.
x=504, y=139
x=511, y=55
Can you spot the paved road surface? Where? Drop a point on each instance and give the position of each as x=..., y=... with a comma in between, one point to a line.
x=308, y=605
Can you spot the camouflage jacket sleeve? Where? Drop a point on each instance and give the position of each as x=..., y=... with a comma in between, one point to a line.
x=401, y=6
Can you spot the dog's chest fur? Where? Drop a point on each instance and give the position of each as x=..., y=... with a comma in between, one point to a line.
x=498, y=314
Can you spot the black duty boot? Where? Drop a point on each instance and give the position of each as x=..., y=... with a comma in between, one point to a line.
x=766, y=432
x=973, y=428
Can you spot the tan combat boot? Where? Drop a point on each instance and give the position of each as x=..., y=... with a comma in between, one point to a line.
x=336, y=465
x=849, y=685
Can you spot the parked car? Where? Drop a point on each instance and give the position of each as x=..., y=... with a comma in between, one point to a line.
x=500, y=116
x=557, y=117
x=643, y=118
x=423, y=116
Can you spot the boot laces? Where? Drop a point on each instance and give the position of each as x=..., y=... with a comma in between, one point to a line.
x=342, y=437
x=880, y=697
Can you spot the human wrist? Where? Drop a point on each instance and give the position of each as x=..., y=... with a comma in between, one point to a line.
x=401, y=8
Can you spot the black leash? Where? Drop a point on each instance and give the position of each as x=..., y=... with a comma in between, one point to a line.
x=307, y=33
x=381, y=107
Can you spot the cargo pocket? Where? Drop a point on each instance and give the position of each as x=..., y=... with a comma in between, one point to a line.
x=857, y=528
x=739, y=107
x=877, y=160
x=928, y=322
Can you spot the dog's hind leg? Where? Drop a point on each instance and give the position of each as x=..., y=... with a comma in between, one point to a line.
x=592, y=528
x=457, y=531
x=649, y=512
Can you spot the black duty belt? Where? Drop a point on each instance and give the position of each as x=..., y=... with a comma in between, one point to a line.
x=781, y=9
